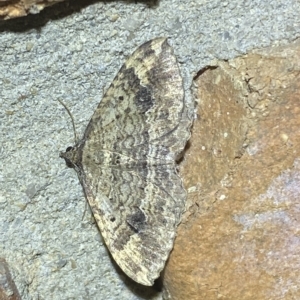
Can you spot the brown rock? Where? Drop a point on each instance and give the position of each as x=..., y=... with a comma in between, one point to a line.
x=240, y=237
x=8, y=290
x=10, y=9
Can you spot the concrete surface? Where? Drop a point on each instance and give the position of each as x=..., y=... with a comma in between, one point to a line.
x=72, y=52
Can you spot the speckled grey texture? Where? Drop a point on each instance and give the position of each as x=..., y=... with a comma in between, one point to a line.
x=72, y=52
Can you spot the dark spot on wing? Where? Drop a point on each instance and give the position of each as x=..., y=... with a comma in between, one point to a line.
x=137, y=220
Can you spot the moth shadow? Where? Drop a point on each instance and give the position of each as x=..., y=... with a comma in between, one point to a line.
x=180, y=157
x=57, y=11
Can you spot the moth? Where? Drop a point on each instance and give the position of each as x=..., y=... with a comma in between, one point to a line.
x=126, y=160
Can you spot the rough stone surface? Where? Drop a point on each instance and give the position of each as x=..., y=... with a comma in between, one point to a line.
x=71, y=51
x=240, y=237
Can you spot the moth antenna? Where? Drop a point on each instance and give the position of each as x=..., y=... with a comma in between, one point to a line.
x=69, y=113
x=85, y=210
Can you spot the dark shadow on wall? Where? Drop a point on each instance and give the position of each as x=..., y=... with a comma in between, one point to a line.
x=55, y=12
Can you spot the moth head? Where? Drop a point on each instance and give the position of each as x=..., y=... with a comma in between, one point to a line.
x=70, y=156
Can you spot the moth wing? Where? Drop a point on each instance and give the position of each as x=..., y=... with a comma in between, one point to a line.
x=128, y=155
